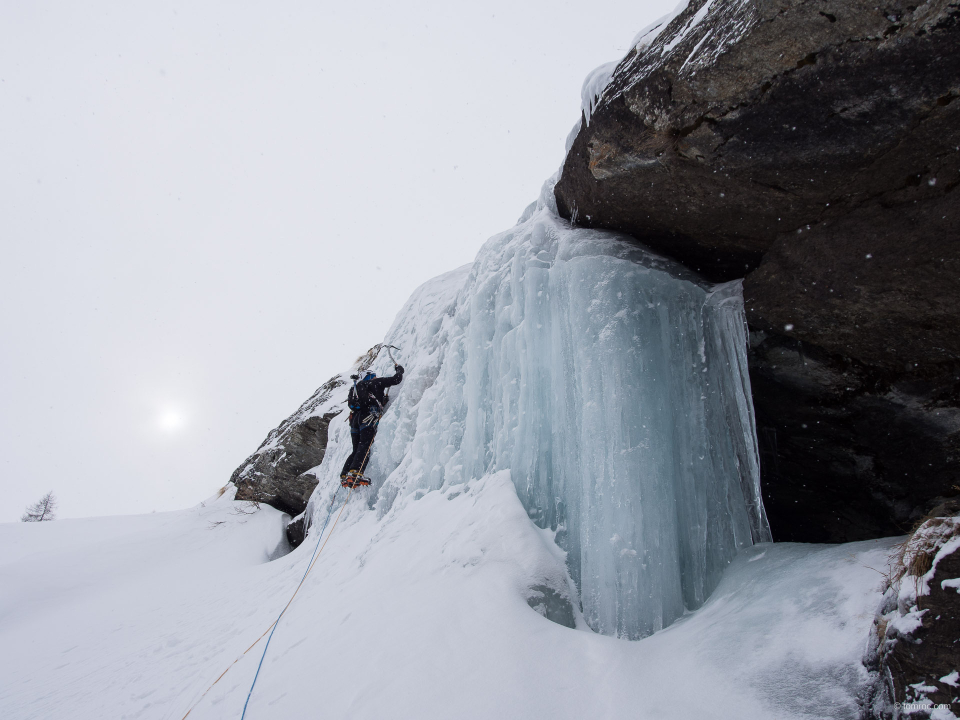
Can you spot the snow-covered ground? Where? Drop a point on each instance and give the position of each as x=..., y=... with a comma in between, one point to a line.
x=422, y=613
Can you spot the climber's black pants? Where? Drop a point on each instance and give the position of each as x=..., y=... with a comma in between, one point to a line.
x=362, y=439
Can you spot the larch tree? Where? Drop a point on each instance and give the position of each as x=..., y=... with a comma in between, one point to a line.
x=42, y=510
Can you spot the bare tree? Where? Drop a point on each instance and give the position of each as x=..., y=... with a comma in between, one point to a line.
x=42, y=510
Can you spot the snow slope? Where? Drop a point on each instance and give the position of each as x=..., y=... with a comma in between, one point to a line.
x=421, y=613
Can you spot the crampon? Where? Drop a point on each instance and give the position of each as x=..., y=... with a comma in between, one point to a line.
x=353, y=479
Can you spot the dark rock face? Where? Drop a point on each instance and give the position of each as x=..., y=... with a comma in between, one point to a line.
x=814, y=148
x=765, y=117
x=278, y=472
x=296, y=531
x=847, y=452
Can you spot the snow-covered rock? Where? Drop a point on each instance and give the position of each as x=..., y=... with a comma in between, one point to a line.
x=278, y=473
x=914, y=645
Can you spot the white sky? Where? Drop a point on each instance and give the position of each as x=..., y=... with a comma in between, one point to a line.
x=207, y=209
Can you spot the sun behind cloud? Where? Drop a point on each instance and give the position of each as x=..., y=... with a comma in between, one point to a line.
x=170, y=420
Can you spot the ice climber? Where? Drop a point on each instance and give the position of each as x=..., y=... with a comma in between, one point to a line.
x=367, y=400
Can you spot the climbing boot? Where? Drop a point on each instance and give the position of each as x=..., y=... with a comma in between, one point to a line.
x=348, y=479
x=354, y=479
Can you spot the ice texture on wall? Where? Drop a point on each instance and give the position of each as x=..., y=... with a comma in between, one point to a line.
x=612, y=383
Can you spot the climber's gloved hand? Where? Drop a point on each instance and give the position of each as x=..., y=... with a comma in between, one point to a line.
x=398, y=368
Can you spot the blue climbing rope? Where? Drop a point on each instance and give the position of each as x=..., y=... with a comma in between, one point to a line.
x=277, y=622
x=316, y=550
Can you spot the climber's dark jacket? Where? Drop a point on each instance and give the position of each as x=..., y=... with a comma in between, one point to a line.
x=366, y=404
x=369, y=396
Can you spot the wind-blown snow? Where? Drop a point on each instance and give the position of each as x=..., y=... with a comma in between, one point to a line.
x=611, y=384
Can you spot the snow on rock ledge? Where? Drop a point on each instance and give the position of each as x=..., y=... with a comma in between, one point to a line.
x=611, y=383
x=913, y=645
x=278, y=473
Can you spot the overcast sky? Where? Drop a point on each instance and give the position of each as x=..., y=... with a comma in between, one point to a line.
x=207, y=209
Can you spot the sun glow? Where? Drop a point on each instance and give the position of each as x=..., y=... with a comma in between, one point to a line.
x=170, y=420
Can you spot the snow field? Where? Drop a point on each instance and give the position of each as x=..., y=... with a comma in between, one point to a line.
x=420, y=613
x=103, y=617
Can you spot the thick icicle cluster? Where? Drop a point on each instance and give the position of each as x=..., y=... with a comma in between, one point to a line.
x=613, y=384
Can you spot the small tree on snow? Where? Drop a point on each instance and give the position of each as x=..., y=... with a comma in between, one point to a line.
x=42, y=510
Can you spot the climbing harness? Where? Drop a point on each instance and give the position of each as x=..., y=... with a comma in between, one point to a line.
x=354, y=403
x=313, y=561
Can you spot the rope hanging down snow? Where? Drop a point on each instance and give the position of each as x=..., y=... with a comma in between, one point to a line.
x=313, y=561
x=316, y=555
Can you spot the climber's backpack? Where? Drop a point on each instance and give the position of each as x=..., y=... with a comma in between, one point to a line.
x=353, y=402
x=360, y=398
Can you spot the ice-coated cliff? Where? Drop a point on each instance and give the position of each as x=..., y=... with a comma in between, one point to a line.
x=805, y=147
x=611, y=383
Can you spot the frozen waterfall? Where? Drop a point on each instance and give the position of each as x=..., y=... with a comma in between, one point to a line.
x=613, y=384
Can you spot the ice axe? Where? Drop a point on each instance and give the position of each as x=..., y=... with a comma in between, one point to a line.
x=392, y=359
